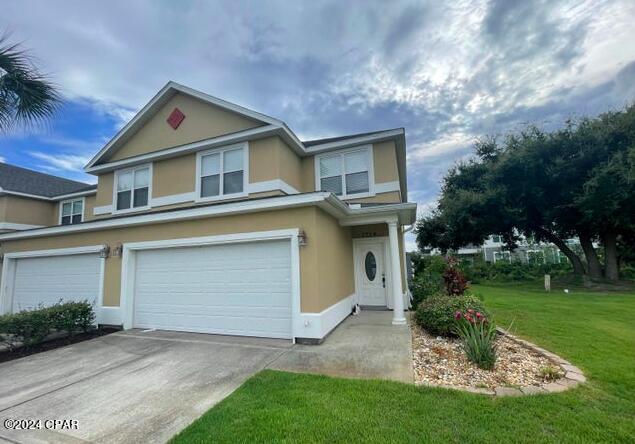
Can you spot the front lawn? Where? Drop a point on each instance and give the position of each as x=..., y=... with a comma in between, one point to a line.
x=595, y=331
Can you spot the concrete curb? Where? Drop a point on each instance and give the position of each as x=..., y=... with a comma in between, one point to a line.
x=573, y=376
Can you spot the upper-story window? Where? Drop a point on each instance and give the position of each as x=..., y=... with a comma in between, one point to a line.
x=132, y=188
x=346, y=174
x=71, y=211
x=222, y=173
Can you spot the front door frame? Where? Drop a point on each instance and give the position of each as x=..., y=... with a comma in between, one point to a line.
x=357, y=244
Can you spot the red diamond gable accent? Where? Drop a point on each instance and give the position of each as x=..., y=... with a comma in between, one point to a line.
x=175, y=118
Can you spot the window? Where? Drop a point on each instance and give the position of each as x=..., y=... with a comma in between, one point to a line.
x=71, y=211
x=222, y=173
x=370, y=265
x=502, y=256
x=345, y=173
x=132, y=188
x=497, y=239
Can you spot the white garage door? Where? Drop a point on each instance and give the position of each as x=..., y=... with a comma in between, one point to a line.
x=236, y=289
x=47, y=280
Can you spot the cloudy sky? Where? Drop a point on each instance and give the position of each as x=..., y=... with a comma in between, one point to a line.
x=448, y=72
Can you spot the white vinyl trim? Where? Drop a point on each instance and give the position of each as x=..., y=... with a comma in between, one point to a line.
x=13, y=226
x=8, y=270
x=128, y=265
x=78, y=194
x=318, y=325
x=371, y=171
x=197, y=193
x=105, y=209
x=387, y=187
x=173, y=199
x=271, y=185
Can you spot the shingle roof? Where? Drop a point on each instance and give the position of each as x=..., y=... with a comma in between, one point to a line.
x=338, y=139
x=21, y=180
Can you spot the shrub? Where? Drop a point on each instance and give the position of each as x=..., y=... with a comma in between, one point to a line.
x=426, y=284
x=455, y=282
x=72, y=317
x=436, y=314
x=31, y=327
x=478, y=336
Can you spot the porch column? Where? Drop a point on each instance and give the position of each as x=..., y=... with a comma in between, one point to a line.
x=398, y=317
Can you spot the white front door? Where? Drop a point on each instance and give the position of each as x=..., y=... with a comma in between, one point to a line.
x=370, y=271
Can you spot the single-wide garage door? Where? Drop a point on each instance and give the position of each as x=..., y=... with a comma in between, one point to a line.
x=47, y=280
x=235, y=289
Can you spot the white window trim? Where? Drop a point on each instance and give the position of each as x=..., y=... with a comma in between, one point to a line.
x=341, y=153
x=62, y=202
x=114, y=190
x=199, y=155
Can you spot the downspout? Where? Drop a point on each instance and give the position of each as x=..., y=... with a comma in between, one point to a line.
x=408, y=294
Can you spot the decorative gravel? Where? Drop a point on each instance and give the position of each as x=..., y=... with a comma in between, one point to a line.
x=442, y=361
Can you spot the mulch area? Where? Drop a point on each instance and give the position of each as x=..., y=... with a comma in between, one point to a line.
x=442, y=361
x=10, y=355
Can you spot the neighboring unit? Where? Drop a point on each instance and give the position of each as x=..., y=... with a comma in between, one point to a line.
x=209, y=217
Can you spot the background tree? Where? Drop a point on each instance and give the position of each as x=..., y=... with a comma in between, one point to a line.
x=27, y=97
x=576, y=181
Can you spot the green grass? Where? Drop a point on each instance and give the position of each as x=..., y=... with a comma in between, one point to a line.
x=596, y=331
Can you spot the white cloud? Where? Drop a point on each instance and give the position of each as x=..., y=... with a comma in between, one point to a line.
x=3, y=160
x=61, y=162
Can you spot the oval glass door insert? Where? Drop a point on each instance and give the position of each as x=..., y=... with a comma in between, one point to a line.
x=370, y=264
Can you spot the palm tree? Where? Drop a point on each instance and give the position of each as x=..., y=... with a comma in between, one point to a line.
x=27, y=97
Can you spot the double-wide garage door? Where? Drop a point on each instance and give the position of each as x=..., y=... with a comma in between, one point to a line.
x=234, y=289
x=48, y=280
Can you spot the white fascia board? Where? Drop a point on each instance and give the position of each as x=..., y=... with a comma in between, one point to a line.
x=14, y=226
x=246, y=206
x=49, y=199
x=78, y=194
x=237, y=137
x=354, y=141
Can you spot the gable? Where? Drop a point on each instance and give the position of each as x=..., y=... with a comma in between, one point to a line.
x=202, y=121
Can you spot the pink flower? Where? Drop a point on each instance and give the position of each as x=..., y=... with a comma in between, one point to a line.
x=479, y=315
x=457, y=315
x=470, y=311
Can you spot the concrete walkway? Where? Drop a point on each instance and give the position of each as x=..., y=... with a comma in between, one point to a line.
x=145, y=386
x=363, y=346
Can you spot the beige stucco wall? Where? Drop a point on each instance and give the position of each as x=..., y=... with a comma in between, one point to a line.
x=104, y=189
x=22, y=210
x=271, y=158
x=325, y=263
x=174, y=176
x=334, y=260
x=202, y=121
x=390, y=197
x=385, y=162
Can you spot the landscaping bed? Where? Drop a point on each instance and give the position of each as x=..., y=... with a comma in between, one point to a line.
x=442, y=361
x=9, y=355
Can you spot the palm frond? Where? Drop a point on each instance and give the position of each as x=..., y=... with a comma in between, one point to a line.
x=27, y=97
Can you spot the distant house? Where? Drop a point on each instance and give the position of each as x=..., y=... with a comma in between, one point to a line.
x=528, y=251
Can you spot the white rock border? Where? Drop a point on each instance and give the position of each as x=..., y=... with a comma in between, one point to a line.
x=573, y=376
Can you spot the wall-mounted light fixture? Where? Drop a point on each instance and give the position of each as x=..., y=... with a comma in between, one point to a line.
x=104, y=252
x=302, y=239
x=117, y=250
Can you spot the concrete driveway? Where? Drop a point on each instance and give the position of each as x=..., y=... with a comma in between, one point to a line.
x=145, y=386
x=130, y=386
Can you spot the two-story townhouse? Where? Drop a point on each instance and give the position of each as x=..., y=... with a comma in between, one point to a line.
x=210, y=217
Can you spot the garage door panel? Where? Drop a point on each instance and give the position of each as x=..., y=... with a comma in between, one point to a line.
x=241, y=289
x=47, y=280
